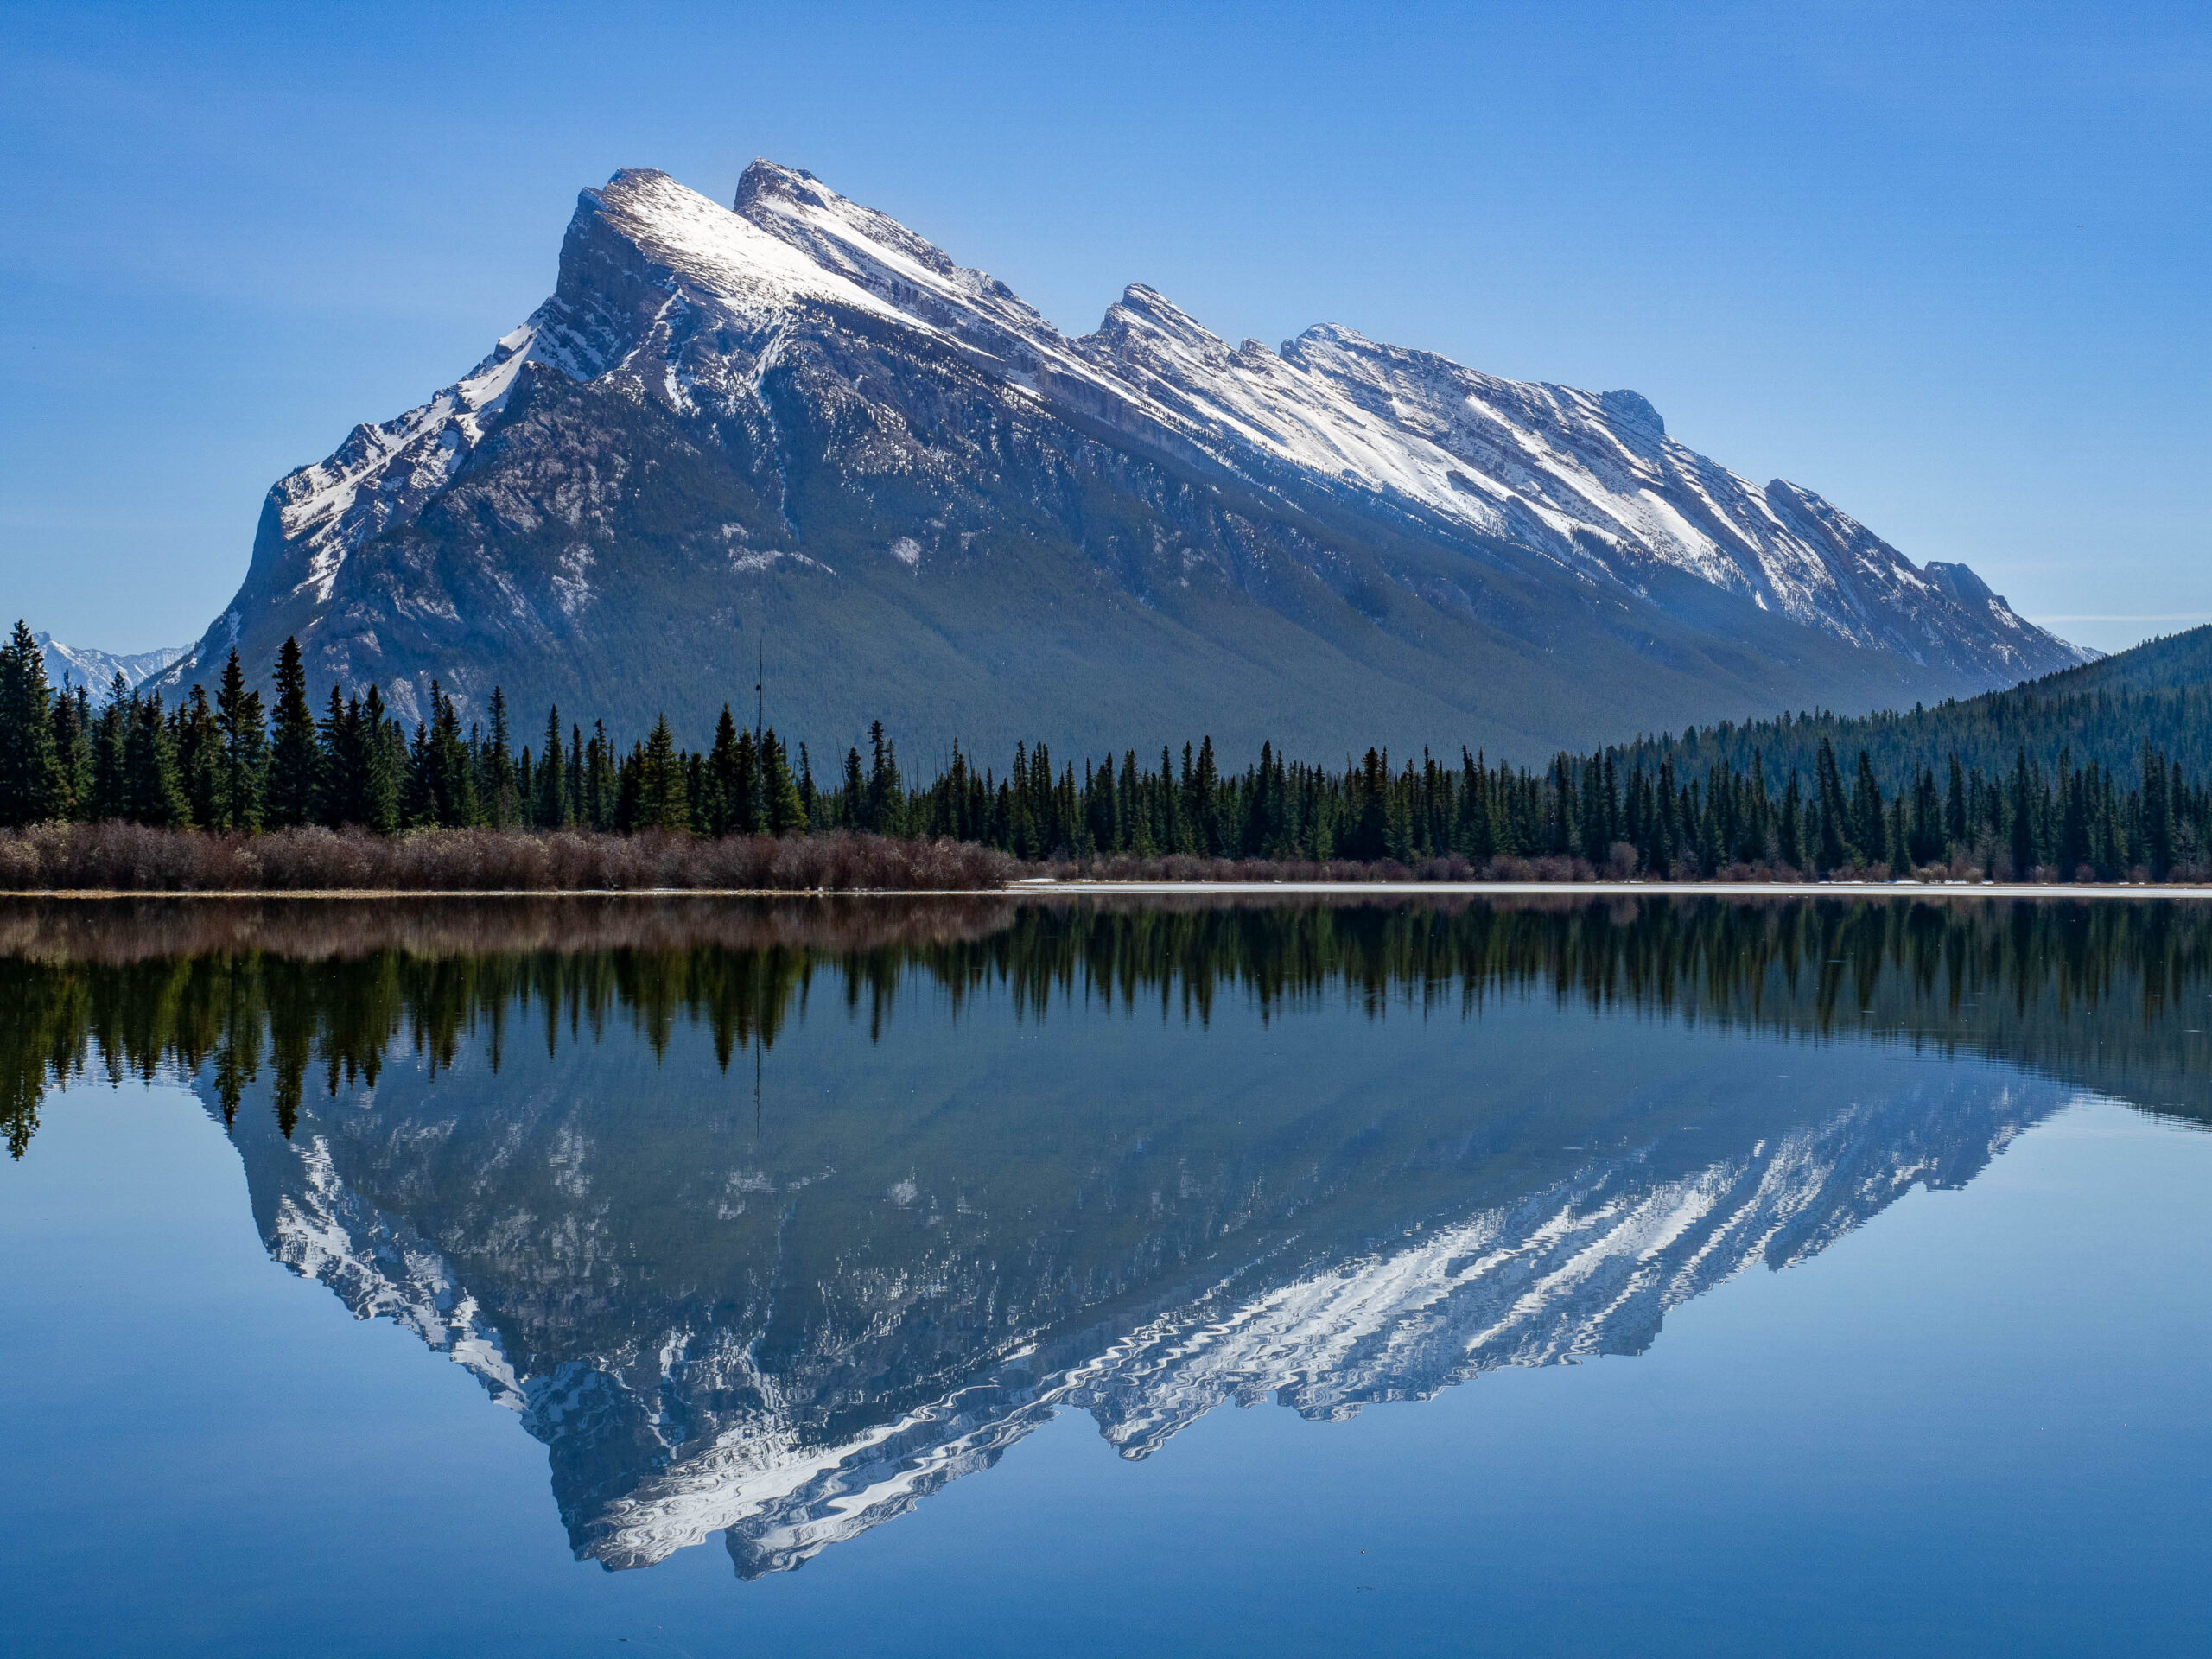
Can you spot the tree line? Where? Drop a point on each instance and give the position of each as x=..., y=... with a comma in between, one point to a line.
x=2098, y=993
x=2101, y=713
x=228, y=765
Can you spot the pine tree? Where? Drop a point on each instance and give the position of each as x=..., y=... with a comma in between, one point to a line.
x=31, y=786
x=242, y=756
x=383, y=766
x=661, y=797
x=156, y=790
x=198, y=744
x=111, y=772
x=729, y=785
x=551, y=808
x=1869, y=833
x=786, y=815
x=72, y=749
x=295, y=753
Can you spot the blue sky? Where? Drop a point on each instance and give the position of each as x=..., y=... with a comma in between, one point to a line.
x=1945, y=265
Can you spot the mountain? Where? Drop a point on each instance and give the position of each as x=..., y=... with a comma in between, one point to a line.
x=794, y=428
x=791, y=1319
x=982, y=1164
x=683, y=1390
x=96, y=670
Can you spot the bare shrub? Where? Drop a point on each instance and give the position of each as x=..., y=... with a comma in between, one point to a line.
x=134, y=858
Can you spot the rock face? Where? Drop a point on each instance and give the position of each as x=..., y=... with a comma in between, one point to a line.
x=795, y=425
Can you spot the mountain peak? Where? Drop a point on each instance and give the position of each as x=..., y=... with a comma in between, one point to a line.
x=689, y=237
x=1633, y=409
x=754, y=402
x=764, y=180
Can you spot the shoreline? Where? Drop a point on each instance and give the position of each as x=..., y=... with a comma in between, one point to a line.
x=1049, y=888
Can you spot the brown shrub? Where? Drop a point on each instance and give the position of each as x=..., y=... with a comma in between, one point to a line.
x=134, y=858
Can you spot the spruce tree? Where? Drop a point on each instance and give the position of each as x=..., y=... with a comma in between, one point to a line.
x=551, y=808
x=157, y=791
x=383, y=769
x=722, y=792
x=242, y=759
x=295, y=757
x=31, y=788
x=785, y=813
x=197, y=744
x=111, y=772
x=498, y=790
x=1790, y=828
x=337, y=778
x=662, y=801
x=72, y=749
x=1827, y=784
x=418, y=799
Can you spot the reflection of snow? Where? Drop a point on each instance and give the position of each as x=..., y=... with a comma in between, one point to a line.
x=1589, y=1265
x=380, y=1271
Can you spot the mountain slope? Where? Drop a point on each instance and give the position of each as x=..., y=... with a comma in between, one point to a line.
x=797, y=426
x=2158, y=693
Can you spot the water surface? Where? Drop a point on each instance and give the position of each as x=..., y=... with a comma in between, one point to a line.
x=1635, y=1276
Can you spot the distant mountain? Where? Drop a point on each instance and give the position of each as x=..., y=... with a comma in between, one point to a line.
x=2160, y=692
x=794, y=426
x=96, y=670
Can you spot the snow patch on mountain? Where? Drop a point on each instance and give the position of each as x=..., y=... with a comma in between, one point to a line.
x=95, y=671
x=668, y=298
x=1591, y=478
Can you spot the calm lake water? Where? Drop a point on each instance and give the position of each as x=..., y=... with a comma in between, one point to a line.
x=979, y=1277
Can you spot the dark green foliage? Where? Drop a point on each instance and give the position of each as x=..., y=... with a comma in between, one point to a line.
x=242, y=754
x=32, y=787
x=294, y=756
x=2100, y=995
x=1641, y=810
x=2099, y=716
x=663, y=799
x=549, y=795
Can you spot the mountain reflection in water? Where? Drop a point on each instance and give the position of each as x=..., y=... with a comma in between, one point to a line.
x=770, y=1219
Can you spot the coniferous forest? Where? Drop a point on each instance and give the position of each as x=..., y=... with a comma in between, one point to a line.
x=1832, y=796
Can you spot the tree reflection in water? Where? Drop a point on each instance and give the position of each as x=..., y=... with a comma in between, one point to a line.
x=1133, y=1158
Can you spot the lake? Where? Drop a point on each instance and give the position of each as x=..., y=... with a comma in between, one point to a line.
x=1090, y=1275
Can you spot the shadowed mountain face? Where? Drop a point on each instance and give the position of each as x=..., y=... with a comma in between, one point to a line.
x=770, y=1229
x=792, y=422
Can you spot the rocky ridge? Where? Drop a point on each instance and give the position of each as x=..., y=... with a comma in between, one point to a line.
x=796, y=417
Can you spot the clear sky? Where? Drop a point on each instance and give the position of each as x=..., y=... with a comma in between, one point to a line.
x=1945, y=265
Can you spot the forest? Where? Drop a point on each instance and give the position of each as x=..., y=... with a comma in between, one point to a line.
x=1818, y=802
x=318, y=999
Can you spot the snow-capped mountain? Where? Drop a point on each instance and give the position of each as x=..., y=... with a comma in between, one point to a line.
x=794, y=419
x=721, y=1424
x=790, y=1325
x=96, y=670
